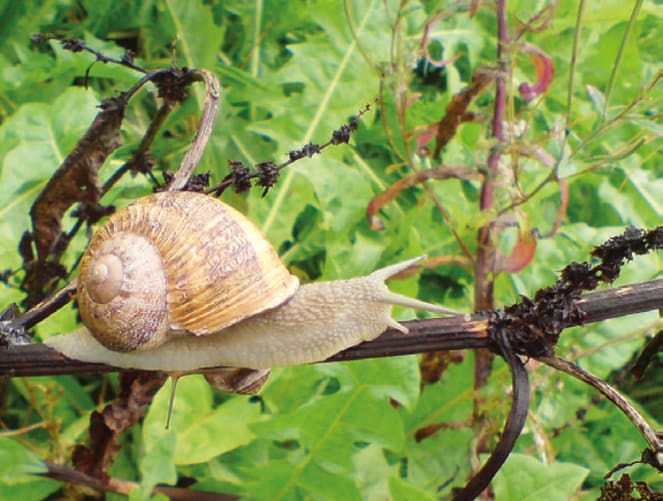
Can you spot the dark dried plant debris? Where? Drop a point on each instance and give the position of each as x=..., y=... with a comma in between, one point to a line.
x=172, y=85
x=650, y=458
x=137, y=390
x=240, y=176
x=92, y=213
x=142, y=163
x=342, y=135
x=535, y=324
x=5, y=275
x=197, y=182
x=73, y=45
x=268, y=174
x=308, y=150
x=626, y=489
x=456, y=112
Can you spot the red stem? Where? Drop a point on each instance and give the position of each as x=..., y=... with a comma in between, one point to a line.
x=485, y=260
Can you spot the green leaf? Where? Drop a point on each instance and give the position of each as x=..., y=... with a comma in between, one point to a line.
x=36, y=490
x=283, y=480
x=18, y=464
x=332, y=428
x=403, y=490
x=198, y=37
x=524, y=478
x=199, y=430
x=19, y=467
x=157, y=463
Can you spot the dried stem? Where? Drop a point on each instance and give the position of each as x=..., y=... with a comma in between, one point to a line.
x=653, y=438
x=207, y=121
x=425, y=335
x=124, y=487
x=512, y=428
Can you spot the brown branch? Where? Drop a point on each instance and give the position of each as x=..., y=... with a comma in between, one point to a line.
x=205, y=128
x=653, y=438
x=435, y=334
x=65, y=474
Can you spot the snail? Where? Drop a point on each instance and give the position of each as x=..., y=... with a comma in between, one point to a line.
x=180, y=281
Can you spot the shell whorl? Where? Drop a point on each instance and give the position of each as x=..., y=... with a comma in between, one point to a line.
x=176, y=263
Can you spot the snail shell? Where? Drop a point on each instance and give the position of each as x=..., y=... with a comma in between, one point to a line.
x=176, y=263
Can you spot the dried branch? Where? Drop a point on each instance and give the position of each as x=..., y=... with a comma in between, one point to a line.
x=512, y=428
x=653, y=438
x=205, y=128
x=124, y=487
x=267, y=173
x=435, y=334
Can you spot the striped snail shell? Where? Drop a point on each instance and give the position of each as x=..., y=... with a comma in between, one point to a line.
x=176, y=263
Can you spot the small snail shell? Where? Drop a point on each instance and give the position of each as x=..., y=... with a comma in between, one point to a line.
x=217, y=295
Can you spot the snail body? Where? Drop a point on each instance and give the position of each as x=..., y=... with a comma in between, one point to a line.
x=238, y=306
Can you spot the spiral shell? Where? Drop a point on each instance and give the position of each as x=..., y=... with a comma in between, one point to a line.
x=176, y=263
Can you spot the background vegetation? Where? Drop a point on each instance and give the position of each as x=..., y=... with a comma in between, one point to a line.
x=291, y=73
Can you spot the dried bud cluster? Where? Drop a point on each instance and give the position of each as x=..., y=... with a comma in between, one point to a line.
x=534, y=325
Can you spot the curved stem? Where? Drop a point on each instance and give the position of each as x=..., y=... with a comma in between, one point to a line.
x=653, y=438
x=512, y=428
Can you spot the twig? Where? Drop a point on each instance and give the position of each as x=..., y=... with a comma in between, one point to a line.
x=207, y=121
x=653, y=438
x=48, y=306
x=124, y=487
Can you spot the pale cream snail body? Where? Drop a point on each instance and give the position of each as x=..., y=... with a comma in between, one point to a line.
x=180, y=281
